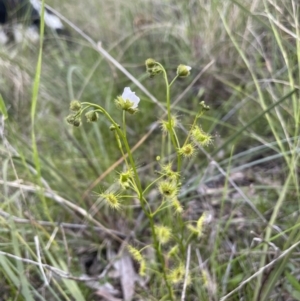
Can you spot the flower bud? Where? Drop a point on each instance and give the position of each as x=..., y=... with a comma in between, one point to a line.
x=73, y=120
x=70, y=119
x=168, y=172
x=77, y=122
x=150, y=63
x=155, y=71
x=75, y=105
x=91, y=116
x=204, y=106
x=183, y=70
x=113, y=127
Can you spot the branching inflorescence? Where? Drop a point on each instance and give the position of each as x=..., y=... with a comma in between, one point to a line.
x=170, y=236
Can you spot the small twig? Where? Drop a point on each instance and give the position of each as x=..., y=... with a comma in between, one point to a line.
x=38, y=254
x=187, y=267
x=52, y=237
x=56, y=271
x=20, y=220
x=66, y=247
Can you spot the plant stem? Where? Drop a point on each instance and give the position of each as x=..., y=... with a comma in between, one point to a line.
x=160, y=257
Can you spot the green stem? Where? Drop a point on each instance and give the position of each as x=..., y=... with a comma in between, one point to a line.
x=152, y=183
x=173, y=81
x=121, y=134
x=190, y=131
x=160, y=257
x=171, y=130
x=140, y=193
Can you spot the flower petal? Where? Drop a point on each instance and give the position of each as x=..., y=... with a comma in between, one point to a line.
x=129, y=95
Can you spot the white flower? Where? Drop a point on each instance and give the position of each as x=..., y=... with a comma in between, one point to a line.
x=129, y=95
x=128, y=101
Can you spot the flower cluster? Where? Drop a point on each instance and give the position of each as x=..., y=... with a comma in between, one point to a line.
x=153, y=67
x=75, y=118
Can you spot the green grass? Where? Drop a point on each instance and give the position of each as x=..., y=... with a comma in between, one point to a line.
x=247, y=181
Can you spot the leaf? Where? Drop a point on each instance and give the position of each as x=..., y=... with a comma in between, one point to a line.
x=293, y=281
x=3, y=108
x=128, y=275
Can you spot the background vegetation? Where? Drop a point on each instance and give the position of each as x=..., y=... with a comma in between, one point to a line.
x=245, y=64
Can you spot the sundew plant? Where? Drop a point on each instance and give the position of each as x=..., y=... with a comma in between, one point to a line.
x=171, y=238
